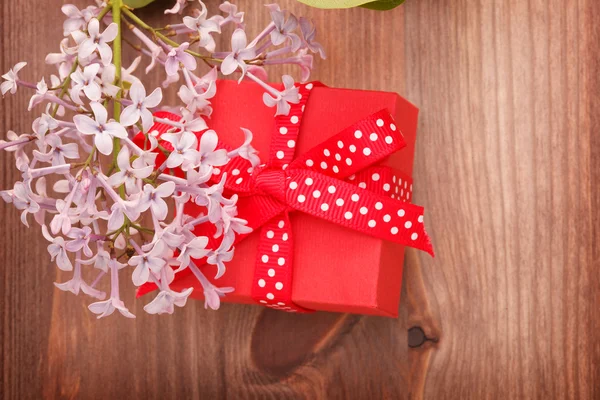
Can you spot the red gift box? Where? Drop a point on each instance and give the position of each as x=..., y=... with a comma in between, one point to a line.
x=334, y=268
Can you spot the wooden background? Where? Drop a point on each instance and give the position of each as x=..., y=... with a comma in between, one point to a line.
x=507, y=166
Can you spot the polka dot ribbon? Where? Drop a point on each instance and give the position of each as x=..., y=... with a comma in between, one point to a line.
x=338, y=180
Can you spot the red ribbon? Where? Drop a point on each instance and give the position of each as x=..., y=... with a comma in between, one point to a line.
x=338, y=181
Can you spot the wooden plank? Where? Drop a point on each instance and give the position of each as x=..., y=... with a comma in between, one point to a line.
x=508, y=132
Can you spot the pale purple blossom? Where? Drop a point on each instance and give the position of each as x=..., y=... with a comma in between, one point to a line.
x=106, y=81
x=76, y=284
x=103, y=131
x=289, y=95
x=166, y=300
x=284, y=29
x=85, y=81
x=178, y=8
x=98, y=41
x=246, y=151
x=204, y=27
x=197, y=100
x=80, y=240
x=239, y=54
x=233, y=15
x=58, y=152
x=77, y=19
x=11, y=79
x=22, y=198
x=144, y=263
x=127, y=174
x=141, y=106
x=184, y=150
x=40, y=94
x=153, y=198
x=178, y=56
x=222, y=255
x=209, y=155
x=308, y=34
x=196, y=249
x=57, y=250
x=107, y=307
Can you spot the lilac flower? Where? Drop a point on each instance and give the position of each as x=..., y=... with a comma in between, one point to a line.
x=147, y=158
x=232, y=13
x=153, y=199
x=141, y=105
x=12, y=79
x=246, y=151
x=222, y=255
x=62, y=220
x=86, y=81
x=40, y=94
x=178, y=7
x=239, y=54
x=128, y=175
x=165, y=301
x=22, y=199
x=106, y=81
x=145, y=263
x=204, y=26
x=195, y=100
x=178, y=56
x=212, y=294
x=15, y=142
x=76, y=19
x=209, y=156
x=107, y=307
x=99, y=41
x=211, y=198
x=100, y=260
x=309, y=32
x=103, y=132
x=58, y=151
x=77, y=283
x=81, y=240
x=196, y=249
x=229, y=222
x=191, y=124
x=284, y=29
x=40, y=188
x=64, y=59
x=284, y=98
x=184, y=150
x=57, y=250
x=43, y=125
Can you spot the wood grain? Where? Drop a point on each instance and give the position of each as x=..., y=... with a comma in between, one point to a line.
x=507, y=165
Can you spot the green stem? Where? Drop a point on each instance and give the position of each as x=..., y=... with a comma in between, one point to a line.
x=117, y=54
x=116, y=16
x=65, y=86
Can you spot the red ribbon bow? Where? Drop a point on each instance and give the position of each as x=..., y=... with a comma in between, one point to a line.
x=337, y=180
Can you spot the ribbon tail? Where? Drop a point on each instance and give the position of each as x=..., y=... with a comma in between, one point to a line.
x=345, y=204
x=273, y=273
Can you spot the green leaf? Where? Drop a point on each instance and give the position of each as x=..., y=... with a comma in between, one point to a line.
x=375, y=5
x=383, y=5
x=137, y=3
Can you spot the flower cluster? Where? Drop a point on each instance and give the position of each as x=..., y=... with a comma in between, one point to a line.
x=90, y=175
